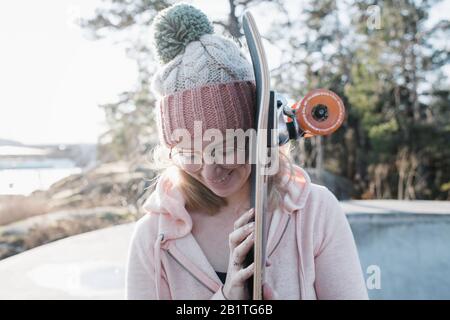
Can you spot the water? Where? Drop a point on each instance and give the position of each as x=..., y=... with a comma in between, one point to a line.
x=25, y=181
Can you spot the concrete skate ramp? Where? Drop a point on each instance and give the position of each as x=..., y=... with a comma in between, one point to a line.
x=86, y=266
x=406, y=244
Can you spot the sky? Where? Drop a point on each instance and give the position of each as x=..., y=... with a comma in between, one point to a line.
x=52, y=79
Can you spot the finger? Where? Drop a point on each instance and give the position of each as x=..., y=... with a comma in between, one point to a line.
x=241, y=251
x=237, y=236
x=244, y=274
x=268, y=292
x=245, y=218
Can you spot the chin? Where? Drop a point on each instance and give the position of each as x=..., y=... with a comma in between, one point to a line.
x=234, y=181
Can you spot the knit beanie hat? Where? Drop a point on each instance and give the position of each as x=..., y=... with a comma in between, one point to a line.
x=202, y=76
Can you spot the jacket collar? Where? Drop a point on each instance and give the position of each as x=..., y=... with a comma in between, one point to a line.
x=167, y=201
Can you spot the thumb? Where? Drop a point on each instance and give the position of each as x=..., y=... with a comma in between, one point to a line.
x=269, y=293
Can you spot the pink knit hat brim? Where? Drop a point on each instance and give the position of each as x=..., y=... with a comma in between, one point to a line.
x=219, y=106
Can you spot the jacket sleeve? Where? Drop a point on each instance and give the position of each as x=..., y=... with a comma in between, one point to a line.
x=337, y=266
x=140, y=270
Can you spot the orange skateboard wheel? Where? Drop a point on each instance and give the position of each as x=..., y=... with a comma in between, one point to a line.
x=320, y=112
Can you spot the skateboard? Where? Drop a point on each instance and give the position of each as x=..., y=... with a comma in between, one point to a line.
x=320, y=112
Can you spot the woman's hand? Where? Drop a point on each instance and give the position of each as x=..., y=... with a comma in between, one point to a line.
x=269, y=293
x=240, y=241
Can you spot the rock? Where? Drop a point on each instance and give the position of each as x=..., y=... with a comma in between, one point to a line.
x=32, y=232
x=109, y=184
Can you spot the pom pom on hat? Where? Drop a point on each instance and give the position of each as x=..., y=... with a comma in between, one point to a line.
x=175, y=27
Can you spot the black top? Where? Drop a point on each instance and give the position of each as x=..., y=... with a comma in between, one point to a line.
x=222, y=276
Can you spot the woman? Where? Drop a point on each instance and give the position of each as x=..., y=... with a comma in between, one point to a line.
x=193, y=240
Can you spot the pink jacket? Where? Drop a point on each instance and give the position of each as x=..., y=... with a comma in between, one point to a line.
x=310, y=247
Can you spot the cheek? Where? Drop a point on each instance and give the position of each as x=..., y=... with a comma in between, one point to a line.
x=246, y=169
x=242, y=174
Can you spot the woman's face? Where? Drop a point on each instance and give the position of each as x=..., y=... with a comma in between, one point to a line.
x=226, y=175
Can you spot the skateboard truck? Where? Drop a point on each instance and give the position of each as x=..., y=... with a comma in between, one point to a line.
x=320, y=112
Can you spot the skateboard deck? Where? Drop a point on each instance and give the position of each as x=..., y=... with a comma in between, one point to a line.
x=263, y=121
x=320, y=112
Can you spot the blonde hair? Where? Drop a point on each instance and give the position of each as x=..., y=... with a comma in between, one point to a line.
x=199, y=197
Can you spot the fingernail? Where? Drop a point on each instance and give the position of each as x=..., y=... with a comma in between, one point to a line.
x=251, y=225
x=252, y=235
